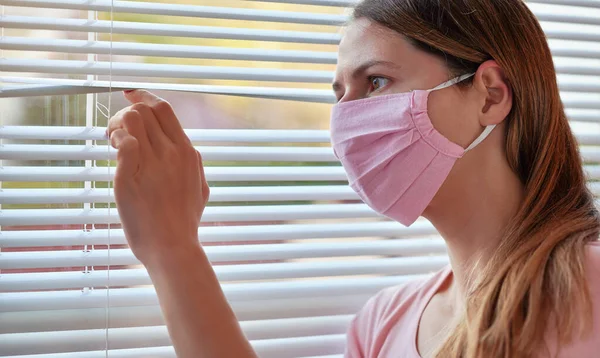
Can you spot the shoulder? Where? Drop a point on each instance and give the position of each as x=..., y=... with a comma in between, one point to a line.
x=386, y=308
x=386, y=301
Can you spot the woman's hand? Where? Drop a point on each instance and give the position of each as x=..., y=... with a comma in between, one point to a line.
x=161, y=192
x=160, y=188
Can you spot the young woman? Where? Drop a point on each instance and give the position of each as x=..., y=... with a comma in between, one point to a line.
x=448, y=109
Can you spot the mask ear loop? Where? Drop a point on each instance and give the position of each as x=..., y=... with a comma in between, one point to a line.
x=486, y=132
x=452, y=82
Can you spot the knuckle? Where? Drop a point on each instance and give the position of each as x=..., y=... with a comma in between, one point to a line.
x=114, y=126
x=116, y=137
x=131, y=117
x=190, y=152
x=113, y=142
x=140, y=107
x=115, y=121
x=162, y=106
x=127, y=145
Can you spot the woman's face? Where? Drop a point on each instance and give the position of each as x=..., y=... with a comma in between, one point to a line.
x=374, y=60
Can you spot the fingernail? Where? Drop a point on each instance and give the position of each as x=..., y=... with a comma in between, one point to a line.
x=106, y=134
x=128, y=91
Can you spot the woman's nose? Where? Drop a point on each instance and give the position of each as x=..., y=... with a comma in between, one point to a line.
x=351, y=95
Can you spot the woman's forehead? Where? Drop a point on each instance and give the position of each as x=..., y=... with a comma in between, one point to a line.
x=363, y=36
x=365, y=41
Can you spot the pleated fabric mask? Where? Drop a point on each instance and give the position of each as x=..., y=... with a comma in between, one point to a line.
x=393, y=157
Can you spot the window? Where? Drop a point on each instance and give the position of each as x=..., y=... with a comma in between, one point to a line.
x=296, y=251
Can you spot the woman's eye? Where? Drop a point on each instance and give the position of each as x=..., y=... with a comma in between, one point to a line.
x=377, y=83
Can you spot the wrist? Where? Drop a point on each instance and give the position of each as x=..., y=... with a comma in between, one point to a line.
x=177, y=256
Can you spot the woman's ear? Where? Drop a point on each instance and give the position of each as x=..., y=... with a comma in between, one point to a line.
x=495, y=93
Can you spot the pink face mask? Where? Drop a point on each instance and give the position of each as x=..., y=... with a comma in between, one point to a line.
x=394, y=159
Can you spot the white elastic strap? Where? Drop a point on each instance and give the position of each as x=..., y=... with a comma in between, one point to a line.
x=452, y=82
x=486, y=132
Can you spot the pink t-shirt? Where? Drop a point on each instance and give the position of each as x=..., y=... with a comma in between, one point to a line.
x=386, y=327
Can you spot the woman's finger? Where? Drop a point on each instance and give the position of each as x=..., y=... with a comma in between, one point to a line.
x=116, y=121
x=163, y=112
x=158, y=139
x=132, y=122
x=128, y=155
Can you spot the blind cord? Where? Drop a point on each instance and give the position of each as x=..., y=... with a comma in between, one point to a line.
x=108, y=166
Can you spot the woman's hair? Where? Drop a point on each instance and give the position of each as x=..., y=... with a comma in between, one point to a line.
x=536, y=277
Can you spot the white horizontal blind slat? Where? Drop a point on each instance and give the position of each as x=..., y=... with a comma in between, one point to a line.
x=565, y=31
x=238, y=153
x=60, y=300
x=580, y=49
x=339, y=3
x=227, y=253
x=566, y=14
x=246, y=272
x=125, y=338
x=582, y=3
x=150, y=29
x=165, y=50
x=276, y=348
x=54, y=86
x=160, y=70
x=542, y=11
x=170, y=9
x=218, y=234
x=82, y=87
x=213, y=174
x=217, y=194
x=582, y=115
x=257, y=213
x=196, y=135
x=138, y=316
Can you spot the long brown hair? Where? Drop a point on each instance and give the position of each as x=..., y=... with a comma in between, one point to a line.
x=538, y=270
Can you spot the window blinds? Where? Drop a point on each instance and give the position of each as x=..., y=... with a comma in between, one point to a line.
x=295, y=250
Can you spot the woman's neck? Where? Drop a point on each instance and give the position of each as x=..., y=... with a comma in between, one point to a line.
x=472, y=215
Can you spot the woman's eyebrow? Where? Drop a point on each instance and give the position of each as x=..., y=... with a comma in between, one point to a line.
x=365, y=66
x=360, y=70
